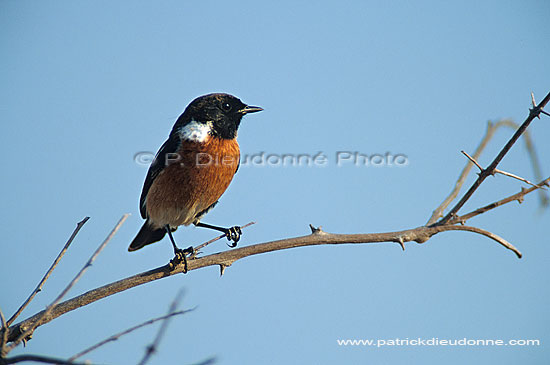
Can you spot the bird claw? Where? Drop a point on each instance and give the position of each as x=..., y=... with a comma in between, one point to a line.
x=233, y=234
x=181, y=256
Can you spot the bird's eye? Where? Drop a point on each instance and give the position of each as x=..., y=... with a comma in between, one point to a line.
x=226, y=107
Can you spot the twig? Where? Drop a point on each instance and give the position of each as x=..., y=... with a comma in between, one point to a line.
x=515, y=197
x=152, y=348
x=197, y=249
x=535, y=163
x=125, y=332
x=533, y=113
x=488, y=234
x=42, y=359
x=209, y=361
x=497, y=171
x=4, y=339
x=50, y=270
x=46, y=313
x=473, y=160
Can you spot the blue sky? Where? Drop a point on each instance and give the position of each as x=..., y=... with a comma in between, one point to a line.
x=87, y=85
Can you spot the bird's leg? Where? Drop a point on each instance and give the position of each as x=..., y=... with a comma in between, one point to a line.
x=232, y=233
x=180, y=255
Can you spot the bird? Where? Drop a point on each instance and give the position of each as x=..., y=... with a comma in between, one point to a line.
x=192, y=170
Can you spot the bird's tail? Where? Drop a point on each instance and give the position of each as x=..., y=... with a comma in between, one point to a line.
x=146, y=236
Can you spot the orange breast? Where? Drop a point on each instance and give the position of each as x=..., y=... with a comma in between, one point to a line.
x=193, y=180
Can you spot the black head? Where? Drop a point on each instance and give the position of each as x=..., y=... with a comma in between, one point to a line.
x=222, y=111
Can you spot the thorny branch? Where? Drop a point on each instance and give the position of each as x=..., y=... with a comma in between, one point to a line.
x=533, y=113
x=516, y=197
x=225, y=259
x=451, y=222
x=491, y=130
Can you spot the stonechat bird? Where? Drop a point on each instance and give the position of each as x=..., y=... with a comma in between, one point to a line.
x=191, y=171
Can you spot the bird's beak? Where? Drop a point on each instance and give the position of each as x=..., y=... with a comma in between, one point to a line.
x=250, y=109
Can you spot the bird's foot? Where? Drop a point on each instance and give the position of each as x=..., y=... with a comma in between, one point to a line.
x=181, y=256
x=233, y=234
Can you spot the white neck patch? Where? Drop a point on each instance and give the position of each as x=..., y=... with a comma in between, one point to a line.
x=195, y=131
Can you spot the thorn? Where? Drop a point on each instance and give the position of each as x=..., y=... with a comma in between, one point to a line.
x=317, y=230
x=472, y=160
x=222, y=269
x=401, y=243
x=546, y=113
x=535, y=106
x=520, y=199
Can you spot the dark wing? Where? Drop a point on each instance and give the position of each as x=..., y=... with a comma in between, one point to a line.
x=159, y=163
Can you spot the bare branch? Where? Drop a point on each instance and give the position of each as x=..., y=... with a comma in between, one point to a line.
x=226, y=258
x=50, y=270
x=41, y=359
x=533, y=113
x=125, y=332
x=152, y=348
x=27, y=331
x=515, y=197
x=485, y=233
